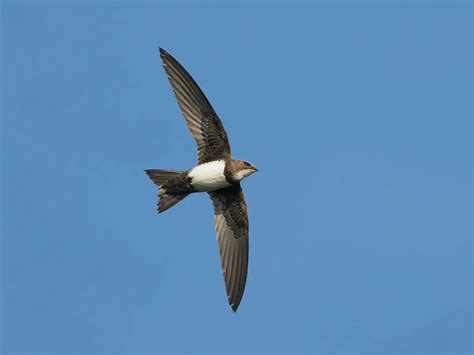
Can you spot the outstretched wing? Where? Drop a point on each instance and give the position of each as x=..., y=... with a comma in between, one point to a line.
x=232, y=228
x=200, y=117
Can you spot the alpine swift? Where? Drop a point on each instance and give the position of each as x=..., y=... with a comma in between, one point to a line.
x=217, y=173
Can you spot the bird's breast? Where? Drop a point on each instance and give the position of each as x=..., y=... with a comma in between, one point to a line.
x=208, y=176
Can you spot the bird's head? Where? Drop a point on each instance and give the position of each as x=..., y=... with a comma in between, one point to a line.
x=243, y=169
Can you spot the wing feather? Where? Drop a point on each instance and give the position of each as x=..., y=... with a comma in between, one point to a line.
x=231, y=221
x=200, y=117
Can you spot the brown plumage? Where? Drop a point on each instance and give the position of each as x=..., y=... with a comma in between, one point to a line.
x=216, y=173
x=173, y=187
x=200, y=117
x=232, y=227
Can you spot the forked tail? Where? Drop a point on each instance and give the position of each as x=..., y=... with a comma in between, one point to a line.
x=166, y=199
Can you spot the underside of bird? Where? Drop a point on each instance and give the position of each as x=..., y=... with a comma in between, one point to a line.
x=216, y=173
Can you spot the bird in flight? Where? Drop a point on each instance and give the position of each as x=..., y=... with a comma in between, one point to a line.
x=217, y=173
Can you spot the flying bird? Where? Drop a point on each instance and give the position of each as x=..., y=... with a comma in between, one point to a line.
x=216, y=173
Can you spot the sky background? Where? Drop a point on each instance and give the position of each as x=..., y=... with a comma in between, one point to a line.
x=359, y=117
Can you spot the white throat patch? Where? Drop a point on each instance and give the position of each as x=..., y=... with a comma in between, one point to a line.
x=240, y=175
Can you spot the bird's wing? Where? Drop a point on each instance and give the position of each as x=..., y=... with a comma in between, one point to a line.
x=200, y=117
x=232, y=228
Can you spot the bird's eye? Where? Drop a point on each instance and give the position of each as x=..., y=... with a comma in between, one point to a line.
x=246, y=163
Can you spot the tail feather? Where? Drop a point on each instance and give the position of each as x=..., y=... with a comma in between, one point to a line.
x=167, y=201
x=160, y=178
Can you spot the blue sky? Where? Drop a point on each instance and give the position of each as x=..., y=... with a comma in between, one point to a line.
x=358, y=115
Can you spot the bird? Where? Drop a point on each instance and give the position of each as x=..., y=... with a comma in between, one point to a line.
x=216, y=173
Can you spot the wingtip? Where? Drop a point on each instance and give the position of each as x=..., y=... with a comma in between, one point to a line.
x=159, y=208
x=234, y=307
x=162, y=52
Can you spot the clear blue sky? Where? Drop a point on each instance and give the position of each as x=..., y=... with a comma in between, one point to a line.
x=358, y=116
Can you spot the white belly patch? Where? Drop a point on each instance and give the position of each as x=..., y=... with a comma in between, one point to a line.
x=208, y=176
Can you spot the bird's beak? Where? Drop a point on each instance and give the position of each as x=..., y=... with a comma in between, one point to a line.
x=255, y=168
